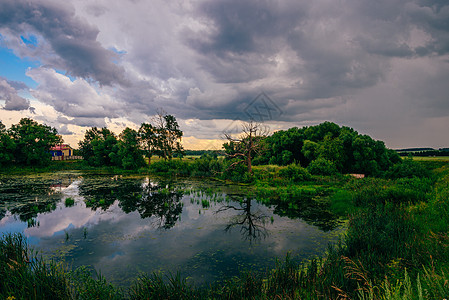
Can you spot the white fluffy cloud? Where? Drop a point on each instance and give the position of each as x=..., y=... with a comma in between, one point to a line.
x=10, y=95
x=78, y=98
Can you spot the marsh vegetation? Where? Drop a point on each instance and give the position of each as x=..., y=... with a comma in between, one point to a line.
x=394, y=246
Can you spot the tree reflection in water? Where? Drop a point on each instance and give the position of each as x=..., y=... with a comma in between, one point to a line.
x=312, y=211
x=27, y=197
x=160, y=201
x=252, y=224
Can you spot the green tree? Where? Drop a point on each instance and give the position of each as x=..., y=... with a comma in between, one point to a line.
x=365, y=156
x=348, y=151
x=7, y=147
x=85, y=146
x=331, y=148
x=318, y=132
x=290, y=140
x=149, y=140
x=169, y=135
x=310, y=150
x=33, y=142
x=322, y=166
x=127, y=154
x=98, y=146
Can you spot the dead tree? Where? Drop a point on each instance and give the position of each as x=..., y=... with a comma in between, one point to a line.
x=246, y=145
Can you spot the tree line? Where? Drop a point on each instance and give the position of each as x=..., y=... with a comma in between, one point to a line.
x=162, y=137
x=424, y=153
x=29, y=143
x=324, y=149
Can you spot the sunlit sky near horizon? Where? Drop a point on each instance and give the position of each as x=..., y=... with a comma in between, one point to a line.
x=381, y=67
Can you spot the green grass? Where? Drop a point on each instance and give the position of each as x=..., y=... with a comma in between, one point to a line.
x=342, y=203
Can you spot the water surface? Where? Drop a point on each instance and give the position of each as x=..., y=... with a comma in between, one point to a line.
x=126, y=225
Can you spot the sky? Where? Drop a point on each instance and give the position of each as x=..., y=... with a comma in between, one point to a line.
x=380, y=67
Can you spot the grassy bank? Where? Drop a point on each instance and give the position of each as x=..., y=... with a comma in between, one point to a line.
x=68, y=165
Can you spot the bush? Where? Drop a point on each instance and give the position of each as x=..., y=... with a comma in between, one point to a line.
x=341, y=203
x=407, y=169
x=206, y=165
x=173, y=167
x=295, y=173
x=321, y=166
x=237, y=173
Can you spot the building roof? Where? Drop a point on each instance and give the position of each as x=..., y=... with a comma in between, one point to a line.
x=60, y=147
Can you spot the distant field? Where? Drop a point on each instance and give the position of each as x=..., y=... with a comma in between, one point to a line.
x=431, y=158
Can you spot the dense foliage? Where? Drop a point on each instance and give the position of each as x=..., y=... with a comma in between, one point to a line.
x=100, y=147
x=97, y=145
x=127, y=152
x=327, y=148
x=27, y=143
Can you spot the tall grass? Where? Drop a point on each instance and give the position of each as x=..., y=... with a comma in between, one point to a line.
x=25, y=275
x=155, y=287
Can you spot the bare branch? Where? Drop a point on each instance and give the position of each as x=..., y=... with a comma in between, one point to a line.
x=248, y=143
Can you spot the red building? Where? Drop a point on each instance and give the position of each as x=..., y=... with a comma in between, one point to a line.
x=61, y=150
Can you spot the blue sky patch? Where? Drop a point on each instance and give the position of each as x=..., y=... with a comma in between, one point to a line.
x=14, y=68
x=30, y=40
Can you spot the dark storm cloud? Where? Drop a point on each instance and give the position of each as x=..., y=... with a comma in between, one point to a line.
x=9, y=93
x=432, y=17
x=249, y=26
x=385, y=48
x=243, y=34
x=431, y=95
x=339, y=47
x=72, y=39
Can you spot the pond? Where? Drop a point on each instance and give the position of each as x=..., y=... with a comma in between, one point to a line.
x=126, y=225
